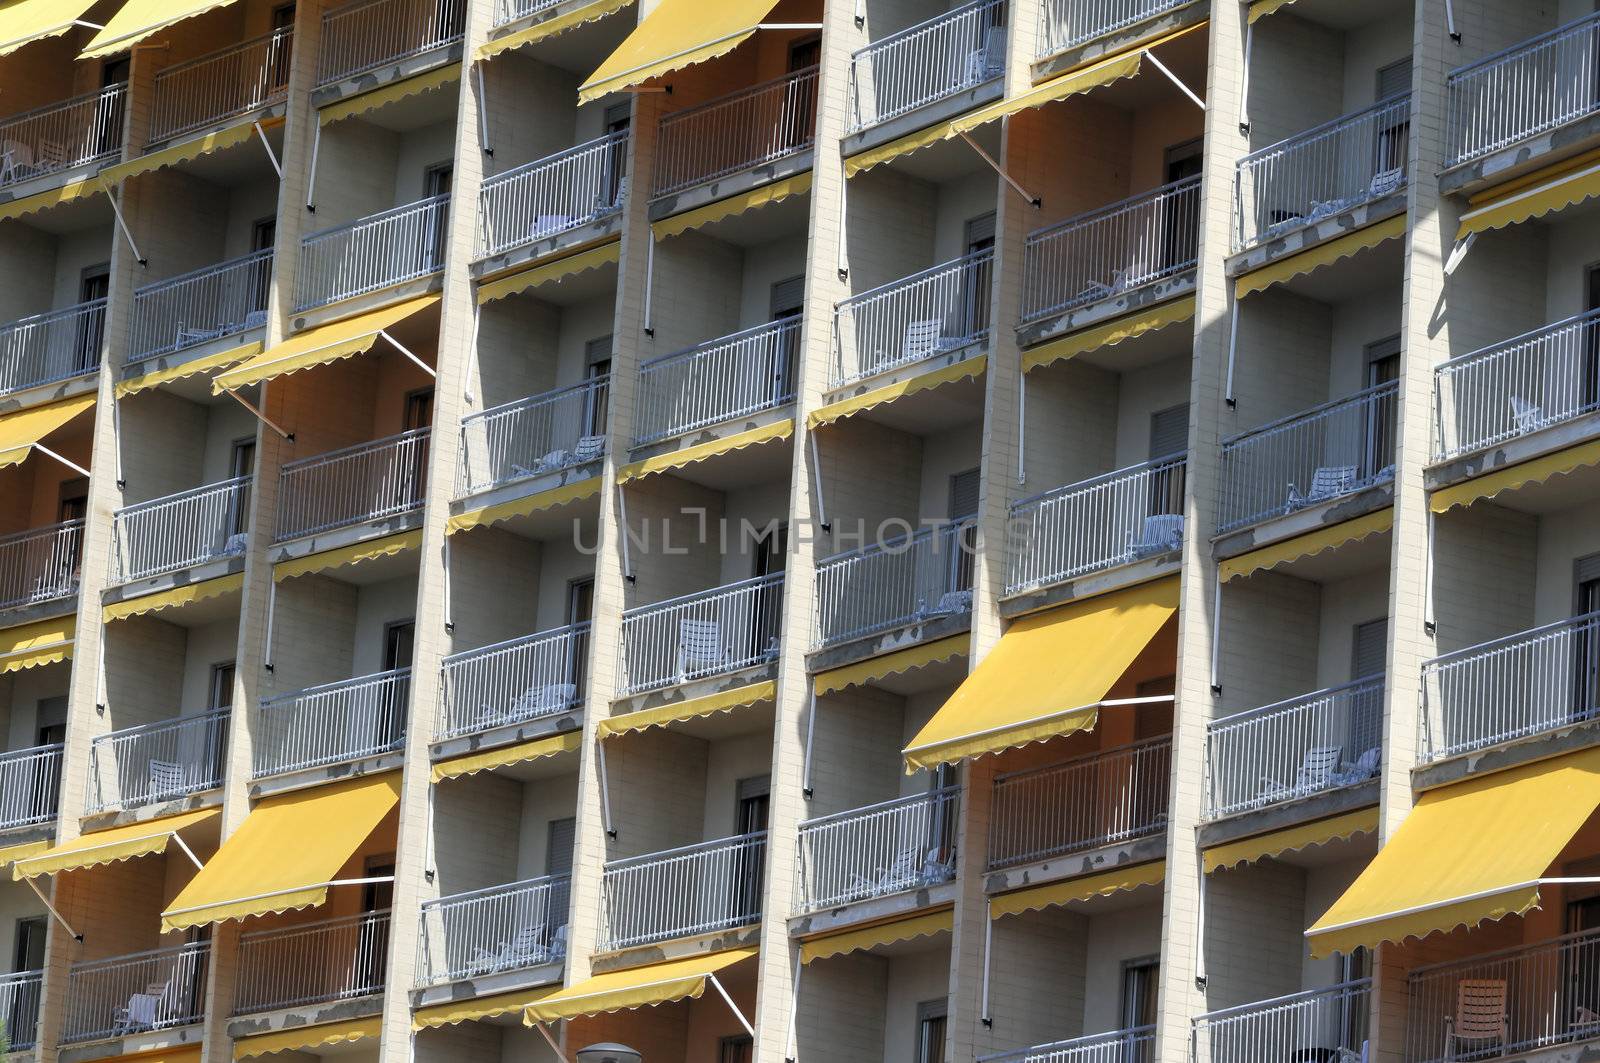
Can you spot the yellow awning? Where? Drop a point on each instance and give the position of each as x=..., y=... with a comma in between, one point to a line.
x=286, y=853
x=393, y=92
x=692, y=709
x=40, y=643
x=179, y=1053
x=1512, y=477
x=1556, y=187
x=328, y=560
x=110, y=846
x=677, y=459
x=156, y=377
x=1291, y=839
x=876, y=668
x=550, y=27
x=1307, y=545
x=308, y=1038
x=554, y=498
x=18, y=208
x=1118, y=330
x=21, y=431
x=319, y=346
x=838, y=411
x=908, y=929
x=776, y=192
x=1078, y=890
x=477, y=1009
x=1324, y=254
x=1260, y=9
x=173, y=597
x=636, y=987
x=1047, y=676
x=12, y=853
x=1468, y=853
x=138, y=19
x=549, y=272
x=221, y=140
x=25, y=21
x=678, y=33
x=505, y=756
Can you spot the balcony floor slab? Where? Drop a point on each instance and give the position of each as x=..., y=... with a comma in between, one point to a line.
x=167, y=581
x=1552, y=743
x=93, y=821
x=198, y=387
x=729, y=185
x=1287, y=814
x=507, y=735
x=528, y=487
x=1523, y=157
x=399, y=292
x=1077, y=864
x=135, y=1044
x=326, y=773
x=1515, y=451
x=602, y=230
x=1102, y=581
x=269, y=115
x=304, y=1015
x=488, y=985
x=1119, y=41
x=1303, y=521
x=1129, y=302
x=18, y=615
x=49, y=182
x=348, y=535
x=677, y=949
x=872, y=910
x=931, y=629
x=663, y=697
x=900, y=374
x=928, y=114
x=33, y=832
x=386, y=74
x=1305, y=237
x=23, y=398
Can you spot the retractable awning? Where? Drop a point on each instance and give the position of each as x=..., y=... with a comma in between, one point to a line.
x=538, y=276
x=551, y=27
x=1291, y=839
x=636, y=987
x=477, y=1009
x=287, y=853
x=1324, y=254
x=173, y=597
x=1472, y=852
x=906, y=929
x=393, y=92
x=1537, y=471
x=1047, y=677
x=110, y=846
x=732, y=207
x=319, y=346
x=1078, y=890
x=308, y=1038
x=20, y=208
x=25, y=21
x=139, y=19
x=505, y=756
x=966, y=369
x=40, y=643
x=692, y=709
x=677, y=459
x=875, y=669
x=1308, y=545
x=156, y=377
x=1260, y=9
x=526, y=506
x=346, y=556
x=221, y=140
x=24, y=430
x=1117, y=330
x=678, y=33
x=1557, y=187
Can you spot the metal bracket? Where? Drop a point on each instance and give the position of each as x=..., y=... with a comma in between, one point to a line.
x=74, y=466
x=1458, y=254
x=272, y=156
x=122, y=223
x=605, y=791
x=1186, y=90
x=263, y=418
x=52, y=909
x=1033, y=200
x=424, y=366
x=751, y=1030
x=816, y=476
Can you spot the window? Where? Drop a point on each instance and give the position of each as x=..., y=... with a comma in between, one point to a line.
x=29, y=952
x=1369, y=652
x=580, y=600
x=1394, y=129
x=1139, y=985
x=561, y=835
x=975, y=294
x=965, y=489
x=597, y=364
x=1169, y=437
x=930, y=1031
x=735, y=1049
x=93, y=283
x=221, y=685
x=1586, y=647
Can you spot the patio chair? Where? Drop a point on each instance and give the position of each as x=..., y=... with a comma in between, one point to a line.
x=51, y=156
x=142, y=1011
x=525, y=949
x=1525, y=415
x=166, y=778
x=1386, y=182
x=904, y=871
x=549, y=224
x=1315, y=772
x=589, y=448
x=1161, y=532
x=700, y=648
x=1481, y=1018
x=988, y=61
x=1329, y=481
x=543, y=698
x=1361, y=769
x=922, y=338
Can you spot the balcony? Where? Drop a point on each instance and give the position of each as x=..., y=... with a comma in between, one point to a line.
x=369, y=34
x=1321, y=1024
x=201, y=306
x=332, y=723
x=753, y=127
x=701, y=635
x=30, y=786
x=41, y=564
x=49, y=348
x=1135, y=1045
x=734, y=376
x=493, y=931
x=1108, y=253
x=62, y=136
x=1065, y=24
x=921, y=577
x=368, y=481
x=312, y=963
x=959, y=50
x=137, y=993
x=1112, y=520
x=553, y=195
x=190, y=96
x=1106, y=798
x=545, y=434
x=1350, y=161
x=182, y=530
x=158, y=762
x=508, y=11
x=698, y=889
x=904, y=844
x=1293, y=749
x=19, y=1008
x=513, y=682
x=1304, y=460
x=1509, y=688
x=916, y=318
x=372, y=253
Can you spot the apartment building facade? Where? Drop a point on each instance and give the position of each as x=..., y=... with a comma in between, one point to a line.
x=1046, y=531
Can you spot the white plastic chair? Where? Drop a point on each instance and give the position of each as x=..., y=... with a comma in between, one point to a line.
x=1481, y=1018
x=589, y=448
x=1330, y=481
x=525, y=948
x=1525, y=415
x=922, y=338
x=1161, y=532
x=700, y=648
x=1315, y=771
x=166, y=778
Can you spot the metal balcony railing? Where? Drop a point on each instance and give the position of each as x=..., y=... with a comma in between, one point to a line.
x=905, y=844
x=1323, y=171
x=19, y=1008
x=494, y=930
x=703, y=634
x=157, y=762
x=733, y=376
x=510, y=10
x=514, y=681
x=372, y=33
x=332, y=723
x=1308, y=458
x=48, y=348
x=1529, y=382
x=200, y=306
x=958, y=50
x=312, y=963
x=1135, y=1045
x=40, y=564
x=372, y=253
x=1100, y=799
x=1550, y=990
x=553, y=195
x=175, y=532
x=1111, y=520
x=360, y=483
x=1329, y=1024
x=1524, y=90
x=62, y=136
x=944, y=308
x=1066, y=24
x=30, y=786
x=1295, y=748
x=1508, y=688
x=1111, y=251
x=902, y=581
x=137, y=993
x=206, y=90
x=533, y=436
x=748, y=128
x=697, y=889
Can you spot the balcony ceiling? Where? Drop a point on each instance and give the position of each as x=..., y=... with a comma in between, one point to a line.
x=1347, y=14
x=1186, y=56
x=931, y=412
x=786, y=219
x=949, y=160
x=409, y=113
x=243, y=164
x=1376, y=271
x=583, y=48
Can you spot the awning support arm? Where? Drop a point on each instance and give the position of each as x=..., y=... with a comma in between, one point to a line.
x=373, y=880
x=605, y=790
x=816, y=475
x=263, y=418
x=551, y=1041
x=449, y=618
x=193, y=859
x=52, y=908
x=272, y=156
x=1450, y=21
x=751, y=1030
x=649, y=284
x=122, y=223
x=794, y=1010
x=1458, y=253
x=74, y=466
x=1244, y=82
x=1022, y=428
x=1216, y=635
x=311, y=178
x=272, y=608
x=622, y=515
x=1428, y=624
x=988, y=948
x=1033, y=201
x=424, y=366
x=1233, y=349
x=1186, y=90
x=811, y=734
x=483, y=116
x=116, y=437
